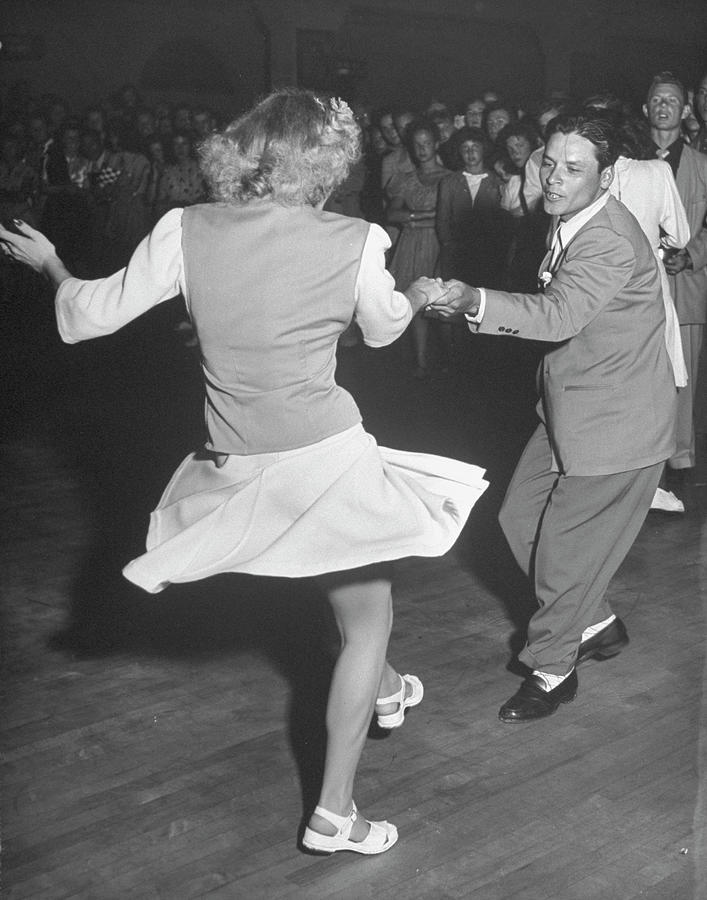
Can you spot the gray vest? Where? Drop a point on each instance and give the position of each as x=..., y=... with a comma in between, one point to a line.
x=270, y=289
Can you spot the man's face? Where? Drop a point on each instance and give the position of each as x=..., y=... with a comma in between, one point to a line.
x=401, y=123
x=388, y=131
x=497, y=119
x=474, y=115
x=472, y=154
x=570, y=175
x=424, y=146
x=145, y=124
x=701, y=100
x=519, y=149
x=665, y=108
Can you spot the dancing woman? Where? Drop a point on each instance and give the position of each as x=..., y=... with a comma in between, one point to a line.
x=289, y=483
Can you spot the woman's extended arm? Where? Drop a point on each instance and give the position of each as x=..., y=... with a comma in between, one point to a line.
x=88, y=309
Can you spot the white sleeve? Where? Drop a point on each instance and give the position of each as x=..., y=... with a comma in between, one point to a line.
x=533, y=190
x=474, y=321
x=88, y=309
x=382, y=313
x=674, y=219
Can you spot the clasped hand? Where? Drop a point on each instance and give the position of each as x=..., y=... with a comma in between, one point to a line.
x=444, y=299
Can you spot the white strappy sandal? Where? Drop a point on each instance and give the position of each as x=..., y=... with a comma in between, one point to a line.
x=381, y=835
x=396, y=719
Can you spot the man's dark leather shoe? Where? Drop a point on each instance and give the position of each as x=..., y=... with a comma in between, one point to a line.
x=532, y=702
x=606, y=643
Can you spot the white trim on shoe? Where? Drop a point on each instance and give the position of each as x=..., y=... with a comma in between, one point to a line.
x=381, y=835
x=396, y=719
x=666, y=501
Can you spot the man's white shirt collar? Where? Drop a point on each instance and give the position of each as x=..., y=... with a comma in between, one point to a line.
x=567, y=230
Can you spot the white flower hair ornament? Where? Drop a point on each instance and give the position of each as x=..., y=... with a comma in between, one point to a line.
x=340, y=107
x=545, y=278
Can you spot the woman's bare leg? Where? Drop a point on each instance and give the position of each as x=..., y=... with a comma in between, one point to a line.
x=363, y=608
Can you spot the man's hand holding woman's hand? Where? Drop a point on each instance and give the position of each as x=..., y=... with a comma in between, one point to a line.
x=457, y=299
x=422, y=292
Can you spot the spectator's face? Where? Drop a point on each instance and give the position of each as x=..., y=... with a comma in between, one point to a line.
x=72, y=140
x=390, y=135
x=519, y=149
x=701, y=100
x=181, y=148
x=202, y=124
x=94, y=120
x=182, y=119
x=472, y=154
x=378, y=143
x=145, y=124
x=90, y=146
x=401, y=123
x=156, y=151
x=446, y=129
x=424, y=146
x=570, y=175
x=666, y=107
x=474, y=115
x=497, y=120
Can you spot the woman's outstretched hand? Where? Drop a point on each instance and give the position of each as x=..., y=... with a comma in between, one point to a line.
x=31, y=247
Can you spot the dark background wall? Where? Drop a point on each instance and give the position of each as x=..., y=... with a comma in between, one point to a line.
x=227, y=52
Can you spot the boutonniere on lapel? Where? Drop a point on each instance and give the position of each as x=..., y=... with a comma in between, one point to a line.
x=545, y=278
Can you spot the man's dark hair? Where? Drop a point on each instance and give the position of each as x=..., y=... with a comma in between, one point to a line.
x=421, y=124
x=477, y=135
x=597, y=130
x=521, y=128
x=666, y=78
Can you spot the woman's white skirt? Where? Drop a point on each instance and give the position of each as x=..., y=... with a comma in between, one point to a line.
x=338, y=504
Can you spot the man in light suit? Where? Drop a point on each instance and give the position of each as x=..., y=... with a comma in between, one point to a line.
x=666, y=106
x=585, y=481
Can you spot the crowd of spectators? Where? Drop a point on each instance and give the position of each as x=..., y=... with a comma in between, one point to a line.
x=456, y=187
x=96, y=179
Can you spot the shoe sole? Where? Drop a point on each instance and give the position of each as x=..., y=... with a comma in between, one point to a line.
x=318, y=851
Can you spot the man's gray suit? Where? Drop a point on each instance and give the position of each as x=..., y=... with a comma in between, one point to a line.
x=584, y=484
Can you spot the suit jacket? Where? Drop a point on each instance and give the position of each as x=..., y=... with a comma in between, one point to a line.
x=607, y=393
x=689, y=287
x=473, y=234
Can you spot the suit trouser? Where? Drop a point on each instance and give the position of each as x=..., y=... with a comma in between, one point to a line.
x=570, y=534
x=684, y=456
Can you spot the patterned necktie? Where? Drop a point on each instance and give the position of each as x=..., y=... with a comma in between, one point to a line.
x=557, y=250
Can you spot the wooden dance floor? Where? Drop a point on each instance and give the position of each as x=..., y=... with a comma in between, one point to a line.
x=168, y=746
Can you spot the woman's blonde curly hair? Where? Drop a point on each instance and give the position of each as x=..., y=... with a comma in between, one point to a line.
x=293, y=147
